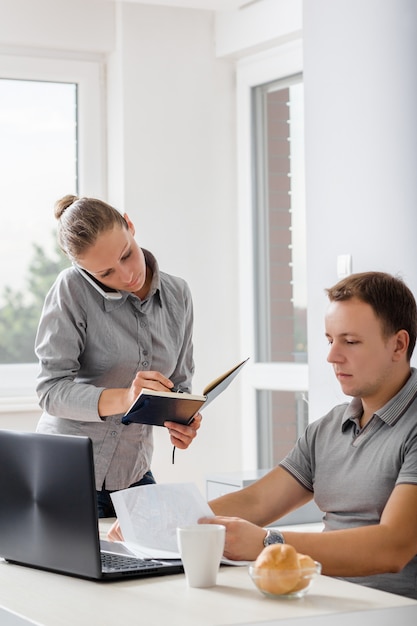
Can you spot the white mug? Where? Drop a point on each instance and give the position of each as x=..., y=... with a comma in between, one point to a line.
x=201, y=548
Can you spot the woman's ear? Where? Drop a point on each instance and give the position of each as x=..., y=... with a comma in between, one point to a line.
x=129, y=223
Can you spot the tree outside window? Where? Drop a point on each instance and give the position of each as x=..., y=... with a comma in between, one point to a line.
x=38, y=161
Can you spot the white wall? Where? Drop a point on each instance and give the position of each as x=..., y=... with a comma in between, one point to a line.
x=361, y=153
x=74, y=26
x=257, y=27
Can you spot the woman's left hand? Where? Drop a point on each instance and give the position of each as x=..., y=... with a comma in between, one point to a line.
x=115, y=533
x=182, y=434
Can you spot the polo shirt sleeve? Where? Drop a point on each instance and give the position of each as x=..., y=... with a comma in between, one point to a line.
x=298, y=461
x=408, y=471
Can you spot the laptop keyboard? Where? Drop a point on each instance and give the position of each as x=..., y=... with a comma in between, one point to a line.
x=117, y=563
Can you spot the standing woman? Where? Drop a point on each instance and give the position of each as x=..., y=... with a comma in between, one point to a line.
x=96, y=352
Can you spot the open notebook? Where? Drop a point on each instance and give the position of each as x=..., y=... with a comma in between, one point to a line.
x=48, y=512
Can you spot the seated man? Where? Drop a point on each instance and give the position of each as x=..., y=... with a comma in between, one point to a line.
x=358, y=462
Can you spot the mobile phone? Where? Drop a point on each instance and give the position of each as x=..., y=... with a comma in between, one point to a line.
x=107, y=292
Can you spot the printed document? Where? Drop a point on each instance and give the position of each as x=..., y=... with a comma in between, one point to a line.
x=149, y=515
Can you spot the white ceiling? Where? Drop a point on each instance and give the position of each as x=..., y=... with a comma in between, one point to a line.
x=210, y=5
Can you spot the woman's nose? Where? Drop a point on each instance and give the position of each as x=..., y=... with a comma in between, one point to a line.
x=125, y=274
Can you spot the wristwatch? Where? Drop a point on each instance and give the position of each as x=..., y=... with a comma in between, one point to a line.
x=273, y=536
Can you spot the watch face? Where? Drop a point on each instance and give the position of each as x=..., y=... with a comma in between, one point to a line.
x=273, y=536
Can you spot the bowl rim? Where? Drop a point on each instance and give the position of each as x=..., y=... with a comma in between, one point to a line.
x=253, y=570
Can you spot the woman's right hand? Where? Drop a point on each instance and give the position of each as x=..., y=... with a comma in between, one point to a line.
x=147, y=380
x=115, y=401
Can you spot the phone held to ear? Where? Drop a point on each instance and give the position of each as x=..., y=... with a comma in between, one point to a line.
x=106, y=292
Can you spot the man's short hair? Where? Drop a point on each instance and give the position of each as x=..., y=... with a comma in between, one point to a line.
x=390, y=298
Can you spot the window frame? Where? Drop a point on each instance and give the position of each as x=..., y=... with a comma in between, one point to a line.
x=275, y=64
x=89, y=77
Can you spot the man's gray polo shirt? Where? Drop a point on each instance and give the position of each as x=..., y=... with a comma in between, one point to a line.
x=352, y=472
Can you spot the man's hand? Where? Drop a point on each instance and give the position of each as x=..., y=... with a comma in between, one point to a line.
x=244, y=540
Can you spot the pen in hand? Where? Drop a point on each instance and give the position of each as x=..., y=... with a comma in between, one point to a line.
x=175, y=390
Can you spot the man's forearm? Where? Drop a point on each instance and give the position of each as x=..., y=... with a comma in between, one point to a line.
x=362, y=551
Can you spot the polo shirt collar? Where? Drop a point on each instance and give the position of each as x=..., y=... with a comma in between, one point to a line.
x=391, y=412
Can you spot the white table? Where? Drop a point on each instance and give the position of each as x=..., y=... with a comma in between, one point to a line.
x=56, y=600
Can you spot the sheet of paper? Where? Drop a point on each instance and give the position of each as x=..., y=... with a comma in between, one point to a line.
x=132, y=549
x=149, y=515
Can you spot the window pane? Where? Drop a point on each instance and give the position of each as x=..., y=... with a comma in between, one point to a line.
x=38, y=161
x=279, y=222
x=289, y=410
x=279, y=252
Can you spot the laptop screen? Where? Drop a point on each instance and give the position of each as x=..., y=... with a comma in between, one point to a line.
x=48, y=516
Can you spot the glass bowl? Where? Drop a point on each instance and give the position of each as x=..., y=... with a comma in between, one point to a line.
x=286, y=584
